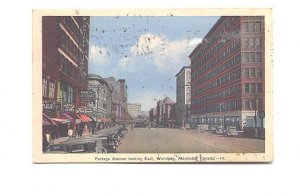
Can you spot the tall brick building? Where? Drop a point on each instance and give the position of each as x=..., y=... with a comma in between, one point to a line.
x=65, y=49
x=183, y=95
x=227, y=70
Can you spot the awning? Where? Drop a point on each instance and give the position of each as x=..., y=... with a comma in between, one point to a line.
x=47, y=120
x=92, y=118
x=84, y=118
x=66, y=116
x=59, y=120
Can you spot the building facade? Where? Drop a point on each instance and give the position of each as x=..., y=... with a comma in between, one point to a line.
x=65, y=49
x=119, y=98
x=227, y=68
x=164, y=111
x=134, y=109
x=102, y=105
x=152, y=114
x=183, y=95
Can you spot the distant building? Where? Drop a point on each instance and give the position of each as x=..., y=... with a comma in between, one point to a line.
x=103, y=96
x=119, y=98
x=164, y=110
x=228, y=72
x=183, y=95
x=152, y=114
x=134, y=109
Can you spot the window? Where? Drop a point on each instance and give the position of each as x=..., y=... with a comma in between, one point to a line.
x=251, y=41
x=251, y=27
x=44, y=87
x=258, y=87
x=246, y=57
x=251, y=57
x=246, y=73
x=252, y=72
x=258, y=57
x=257, y=27
x=247, y=104
x=51, y=89
x=252, y=88
x=246, y=87
x=245, y=26
x=258, y=72
x=257, y=42
x=252, y=104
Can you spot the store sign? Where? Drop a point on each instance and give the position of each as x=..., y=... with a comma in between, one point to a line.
x=84, y=109
x=69, y=108
x=87, y=96
x=49, y=106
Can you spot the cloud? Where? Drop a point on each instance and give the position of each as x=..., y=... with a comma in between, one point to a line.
x=158, y=52
x=98, y=55
x=194, y=42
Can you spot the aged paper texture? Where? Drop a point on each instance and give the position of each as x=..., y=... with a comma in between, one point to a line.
x=152, y=86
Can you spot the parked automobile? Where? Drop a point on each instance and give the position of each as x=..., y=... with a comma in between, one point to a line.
x=230, y=131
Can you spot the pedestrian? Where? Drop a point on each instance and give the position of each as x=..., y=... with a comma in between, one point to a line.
x=149, y=126
x=131, y=126
x=85, y=129
x=93, y=128
x=80, y=130
x=48, y=139
x=70, y=132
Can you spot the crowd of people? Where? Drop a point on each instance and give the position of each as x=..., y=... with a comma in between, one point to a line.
x=74, y=131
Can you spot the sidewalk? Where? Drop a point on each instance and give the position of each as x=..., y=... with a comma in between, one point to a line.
x=84, y=135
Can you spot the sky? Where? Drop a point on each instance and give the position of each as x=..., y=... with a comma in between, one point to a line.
x=146, y=51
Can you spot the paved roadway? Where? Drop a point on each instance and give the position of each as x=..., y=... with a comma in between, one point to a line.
x=169, y=140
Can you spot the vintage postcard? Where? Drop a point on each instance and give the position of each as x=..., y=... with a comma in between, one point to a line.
x=152, y=86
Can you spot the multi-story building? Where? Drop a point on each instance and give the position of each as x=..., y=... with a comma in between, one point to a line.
x=134, y=109
x=228, y=72
x=65, y=44
x=152, y=114
x=119, y=98
x=164, y=111
x=183, y=95
x=103, y=96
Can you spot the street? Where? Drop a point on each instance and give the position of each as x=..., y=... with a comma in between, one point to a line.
x=171, y=140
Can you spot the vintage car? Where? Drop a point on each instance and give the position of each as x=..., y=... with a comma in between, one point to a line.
x=230, y=131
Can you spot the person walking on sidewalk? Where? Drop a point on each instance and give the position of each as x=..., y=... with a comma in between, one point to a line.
x=70, y=132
